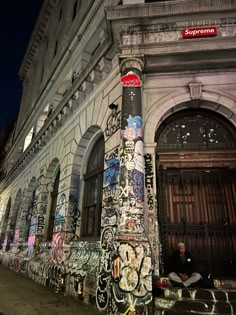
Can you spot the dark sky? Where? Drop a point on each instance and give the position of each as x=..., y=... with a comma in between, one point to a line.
x=17, y=19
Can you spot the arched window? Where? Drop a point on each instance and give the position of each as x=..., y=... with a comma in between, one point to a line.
x=29, y=214
x=5, y=221
x=194, y=130
x=92, y=202
x=16, y=210
x=54, y=194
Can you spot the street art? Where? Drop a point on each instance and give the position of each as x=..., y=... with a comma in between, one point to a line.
x=113, y=123
x=134, y=275
x=109, y=221
x=81, y=268
x=43, y=208
x=132, y=267
x=33, y=225
x=17, y=234
x=57, y=247
x=5, y=245
x=112, y=171
x=73, y=218
x=39, y=264
x=31, y=242
x=60, y=214
x=23, y=228
x=103, y=297
x=132, y=177
x=131, y=79
x=40, y=224
x=149, y=181
x=151, y=214
x=134, y=130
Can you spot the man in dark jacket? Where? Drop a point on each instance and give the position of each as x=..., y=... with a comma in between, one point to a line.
x=183, y=273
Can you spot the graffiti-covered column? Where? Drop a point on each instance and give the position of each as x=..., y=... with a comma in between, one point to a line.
x=151, y=222
x=37, y=213
x=131, y=153
x=132, y=266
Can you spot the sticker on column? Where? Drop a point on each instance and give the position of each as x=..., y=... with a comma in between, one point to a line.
x=131, y=79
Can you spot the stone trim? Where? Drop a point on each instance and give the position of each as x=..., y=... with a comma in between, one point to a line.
x=131, y=61
x=168, y=8
x=225, y=107
x=36, y=37
x=40, y=30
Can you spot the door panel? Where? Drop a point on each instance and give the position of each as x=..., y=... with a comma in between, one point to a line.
x=198, y=207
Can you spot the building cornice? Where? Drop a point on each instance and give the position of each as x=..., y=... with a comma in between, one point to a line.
x=37, y=35
x=82, y=87
x=168, y=8
x=41, y=26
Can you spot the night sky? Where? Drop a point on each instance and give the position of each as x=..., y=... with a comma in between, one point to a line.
x=17, y=19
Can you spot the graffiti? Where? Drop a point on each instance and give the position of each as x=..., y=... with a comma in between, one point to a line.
x=43, y=208
x=109, y=218
x=112, y=172
x=113, y=123
x=60, y=215
x=151, y=215
x=23, y=227
x=109, y=221
x=57, y=247
x=104, y=276
x=38, y=266
x=149, y=181
x=81, y=268
x=31, y=242
x=33, y=225
x=131, y=222
x=55, y=278
x=135, y=273
x=131, y=79
x=109, y=193
x=131, y=192
x=134, y=128
x=73, y=218
x=41, y=224
x=132, y=286
x=131, y=279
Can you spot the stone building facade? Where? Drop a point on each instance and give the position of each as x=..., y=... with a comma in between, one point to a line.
x=124, y=145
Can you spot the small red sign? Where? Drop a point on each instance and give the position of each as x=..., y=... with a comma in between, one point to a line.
x=199, y=32
x=131, y=79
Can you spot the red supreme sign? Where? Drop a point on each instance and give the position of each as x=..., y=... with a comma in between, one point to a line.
x=199, y=32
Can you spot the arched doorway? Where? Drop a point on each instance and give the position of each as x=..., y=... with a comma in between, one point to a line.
x=196, y=180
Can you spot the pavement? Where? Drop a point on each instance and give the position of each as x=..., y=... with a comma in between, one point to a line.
x=22, y=296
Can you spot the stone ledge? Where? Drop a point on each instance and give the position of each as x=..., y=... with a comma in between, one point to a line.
x=196, y=301
x=166, y=8
x=200, y=294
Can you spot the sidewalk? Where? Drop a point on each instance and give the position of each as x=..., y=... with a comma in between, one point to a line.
x=22, y=296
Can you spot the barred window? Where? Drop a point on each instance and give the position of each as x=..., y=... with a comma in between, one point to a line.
x=195, y=130
x=54, y=194
x=92, y=202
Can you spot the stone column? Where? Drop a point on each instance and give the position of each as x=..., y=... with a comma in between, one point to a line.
x=131, y=152
x=132, y=265
x=37, y=228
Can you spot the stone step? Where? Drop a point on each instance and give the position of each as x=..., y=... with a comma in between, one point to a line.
x=200, y=294
x=186, y=306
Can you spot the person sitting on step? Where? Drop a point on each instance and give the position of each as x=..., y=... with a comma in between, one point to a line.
x=183, y=274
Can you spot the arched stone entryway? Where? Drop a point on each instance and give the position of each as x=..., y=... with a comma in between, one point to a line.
x=196, y=188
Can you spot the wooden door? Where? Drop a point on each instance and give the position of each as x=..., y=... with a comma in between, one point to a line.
x=198, y=207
